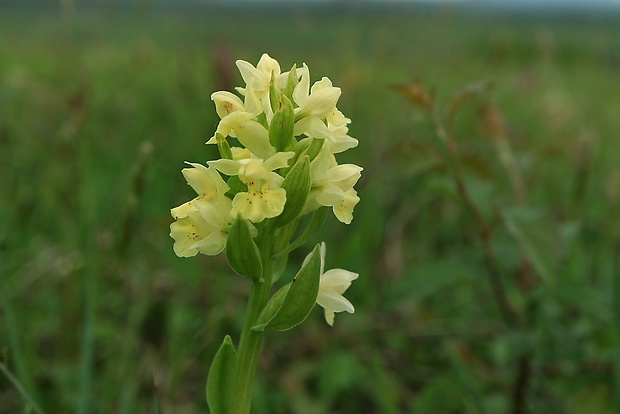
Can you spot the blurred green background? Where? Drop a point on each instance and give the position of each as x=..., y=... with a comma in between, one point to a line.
x=488, y=271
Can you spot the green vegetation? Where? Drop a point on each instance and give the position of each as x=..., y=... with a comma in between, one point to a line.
x=486, y=241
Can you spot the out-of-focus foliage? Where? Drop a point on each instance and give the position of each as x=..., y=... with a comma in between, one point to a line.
x=485, y=242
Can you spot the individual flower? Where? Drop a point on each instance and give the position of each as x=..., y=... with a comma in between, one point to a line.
x=317, y=101
x=206, y=182
x=202, y=224
x=332, y=285
x=336, y=136
x=258, y=80
x=264, y=197
x=317, y=115
x=332, y=186
x=203, y=228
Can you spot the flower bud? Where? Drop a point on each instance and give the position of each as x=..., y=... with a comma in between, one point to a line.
x=282, y=125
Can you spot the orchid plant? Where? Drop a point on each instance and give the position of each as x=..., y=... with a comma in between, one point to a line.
x=269, y=192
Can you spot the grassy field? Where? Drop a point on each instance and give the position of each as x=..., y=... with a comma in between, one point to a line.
x=487, y=238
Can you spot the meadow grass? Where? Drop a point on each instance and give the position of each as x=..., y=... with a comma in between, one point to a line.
x=99, y=110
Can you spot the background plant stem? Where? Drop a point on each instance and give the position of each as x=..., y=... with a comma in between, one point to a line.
x=616, y=313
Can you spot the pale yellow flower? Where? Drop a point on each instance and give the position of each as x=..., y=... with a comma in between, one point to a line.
x=197, y=232
x=264, y=198
x=317, y=115
x=336, y=136
x=332, y=285
x=258, y=80
x=202, y=224
x=206, y=182
x=317, y=101
x=332, y=186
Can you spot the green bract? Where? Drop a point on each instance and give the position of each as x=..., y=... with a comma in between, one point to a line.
x=297, y=186
x=291, y=304
x=221, y=378
x=242, y=252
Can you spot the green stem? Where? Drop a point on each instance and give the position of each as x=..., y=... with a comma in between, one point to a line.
x=250, y=341
x=247, y=354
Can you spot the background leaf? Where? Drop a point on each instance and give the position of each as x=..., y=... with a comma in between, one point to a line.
x=539, y=237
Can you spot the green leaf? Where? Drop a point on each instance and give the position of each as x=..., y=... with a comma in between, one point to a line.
x=297, y=186
x=221, y=378
x=290, y=305
x=538, y=236
x=241, y=250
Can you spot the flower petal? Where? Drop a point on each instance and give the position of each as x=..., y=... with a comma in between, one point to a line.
x=211, y=245
x=228, y=167
x=337, y=278
x=344, y=210
x=346, y=175
x=330, y=195
x=205, y=181
x=259, y=205
x=329, y=316
x=302, y=90
x=226, y=103
x=334, y=302
x=185, y=235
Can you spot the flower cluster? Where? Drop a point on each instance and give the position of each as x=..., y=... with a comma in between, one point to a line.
x=278, y=121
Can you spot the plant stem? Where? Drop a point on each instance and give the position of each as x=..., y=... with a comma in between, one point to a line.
x=519, y=400
x=250, y=341
x=509, y=314
x=248, y=352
